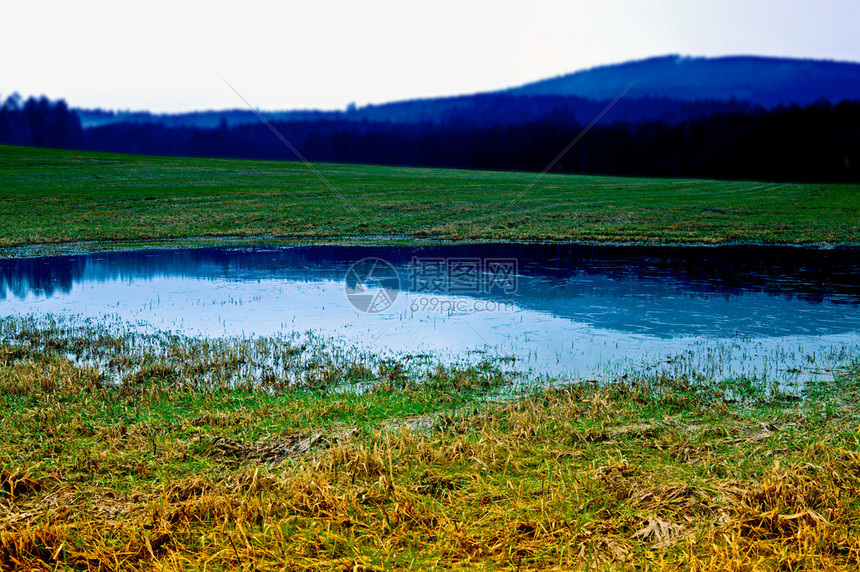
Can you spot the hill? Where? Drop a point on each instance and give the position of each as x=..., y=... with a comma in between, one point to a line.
x=757, y=80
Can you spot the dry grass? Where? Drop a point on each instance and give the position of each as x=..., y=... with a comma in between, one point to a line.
x=580, y=478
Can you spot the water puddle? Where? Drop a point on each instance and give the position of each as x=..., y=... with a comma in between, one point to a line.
x=780, y=313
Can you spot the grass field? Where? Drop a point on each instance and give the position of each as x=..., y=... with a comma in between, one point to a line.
x=49, y=197
x=166, y=469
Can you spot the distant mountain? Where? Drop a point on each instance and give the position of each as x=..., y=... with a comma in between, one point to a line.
x=757, y=80
x=733, y=117
x=670, y=89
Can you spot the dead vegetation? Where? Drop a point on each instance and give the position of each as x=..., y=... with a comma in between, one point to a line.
x=577, y=478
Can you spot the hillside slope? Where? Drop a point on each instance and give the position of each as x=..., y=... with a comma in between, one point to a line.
x=758, y=80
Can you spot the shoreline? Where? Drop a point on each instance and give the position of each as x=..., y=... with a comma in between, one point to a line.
x=37, y=250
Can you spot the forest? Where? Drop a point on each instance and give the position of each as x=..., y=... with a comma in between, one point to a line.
x=661, y=138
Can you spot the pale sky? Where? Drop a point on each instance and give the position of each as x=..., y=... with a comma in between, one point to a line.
x=165, y=55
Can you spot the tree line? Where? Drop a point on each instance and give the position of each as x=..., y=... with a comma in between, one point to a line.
x=820, y=142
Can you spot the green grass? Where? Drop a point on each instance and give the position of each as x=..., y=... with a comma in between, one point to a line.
x=51, y=197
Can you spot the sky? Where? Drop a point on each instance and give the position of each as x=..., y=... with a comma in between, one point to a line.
x=172, y=56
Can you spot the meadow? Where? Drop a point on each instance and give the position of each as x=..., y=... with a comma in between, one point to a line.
x=52, y=196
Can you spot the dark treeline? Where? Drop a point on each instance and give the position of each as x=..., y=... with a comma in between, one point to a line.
x=39, y=123
x=478, y=110
x=820, y=142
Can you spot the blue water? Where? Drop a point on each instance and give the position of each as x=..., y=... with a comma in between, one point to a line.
x=780, y=313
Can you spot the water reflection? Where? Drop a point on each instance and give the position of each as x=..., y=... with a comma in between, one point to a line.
x=573, y=308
